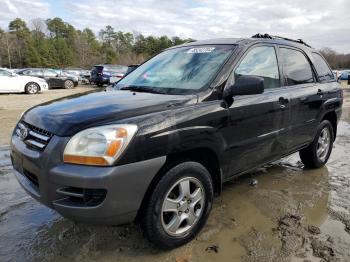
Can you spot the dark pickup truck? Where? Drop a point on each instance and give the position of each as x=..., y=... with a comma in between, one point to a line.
x=159, y=146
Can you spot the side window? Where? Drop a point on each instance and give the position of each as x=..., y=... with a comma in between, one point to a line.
x=260, y=61
x=296, y=67
x=323, y=71
x=35, y=72
x=4, y=73
x=50, y=73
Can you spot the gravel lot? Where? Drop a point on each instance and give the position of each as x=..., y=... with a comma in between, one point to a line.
x=292, y=214
x=13, y=105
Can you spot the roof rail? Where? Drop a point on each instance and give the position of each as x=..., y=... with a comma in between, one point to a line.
x=267, y=36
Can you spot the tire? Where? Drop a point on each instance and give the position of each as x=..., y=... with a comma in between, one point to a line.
x=68, y=84
x=192, y=208
x=310, y=156
x=32, y=88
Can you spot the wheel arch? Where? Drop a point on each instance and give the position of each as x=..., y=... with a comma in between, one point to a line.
x=203, y=155
x=331, y=116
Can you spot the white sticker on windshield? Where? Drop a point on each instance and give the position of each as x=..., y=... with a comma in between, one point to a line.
x=200, y=50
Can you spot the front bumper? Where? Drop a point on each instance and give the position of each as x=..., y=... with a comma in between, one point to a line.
x=44, y=86
x=44, y=176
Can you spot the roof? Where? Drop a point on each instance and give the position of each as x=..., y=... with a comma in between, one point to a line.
x=236, y=41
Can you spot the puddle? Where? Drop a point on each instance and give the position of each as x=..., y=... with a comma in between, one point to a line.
x=291, y=214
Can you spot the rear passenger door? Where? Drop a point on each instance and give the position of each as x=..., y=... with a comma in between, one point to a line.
x=305, y=98
x=257, y=122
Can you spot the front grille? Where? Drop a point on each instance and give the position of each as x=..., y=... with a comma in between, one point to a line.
x=32, y=136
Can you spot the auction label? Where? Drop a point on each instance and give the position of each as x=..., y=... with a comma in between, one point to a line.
x=200, y=50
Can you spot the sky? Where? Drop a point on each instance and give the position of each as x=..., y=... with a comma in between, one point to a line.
x=320, y=23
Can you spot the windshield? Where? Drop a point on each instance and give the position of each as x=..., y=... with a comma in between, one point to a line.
x=181, y=70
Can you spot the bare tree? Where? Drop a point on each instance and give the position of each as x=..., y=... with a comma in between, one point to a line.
x=7, y=42
x=38, y=27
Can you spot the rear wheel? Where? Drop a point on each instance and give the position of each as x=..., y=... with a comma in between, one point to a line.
x=179, y=205
x=68, y=84
x=32, y=88
x=318, y=152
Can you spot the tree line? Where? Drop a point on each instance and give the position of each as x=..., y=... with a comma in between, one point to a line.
x=55, y=43
x=336, y=60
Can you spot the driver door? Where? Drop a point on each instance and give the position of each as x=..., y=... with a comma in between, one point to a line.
x=257, y=123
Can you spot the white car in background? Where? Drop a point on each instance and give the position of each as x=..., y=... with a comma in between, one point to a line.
x=12, y=83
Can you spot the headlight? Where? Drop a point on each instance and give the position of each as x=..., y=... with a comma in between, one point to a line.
x=99, y=146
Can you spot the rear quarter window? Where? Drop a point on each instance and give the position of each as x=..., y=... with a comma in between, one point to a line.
x=323, y=71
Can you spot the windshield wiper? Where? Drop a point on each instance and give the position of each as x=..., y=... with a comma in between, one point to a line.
x=141, y=89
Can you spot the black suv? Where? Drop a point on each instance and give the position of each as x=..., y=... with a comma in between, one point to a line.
x=158, y=147
x=54, y=78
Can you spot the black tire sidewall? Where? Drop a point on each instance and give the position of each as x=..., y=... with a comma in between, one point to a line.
x=153, y=223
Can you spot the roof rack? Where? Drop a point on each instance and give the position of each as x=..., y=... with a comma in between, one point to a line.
x=267, y=36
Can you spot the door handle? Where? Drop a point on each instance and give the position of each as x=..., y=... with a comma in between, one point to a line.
x=319, y=92
x=283, y=102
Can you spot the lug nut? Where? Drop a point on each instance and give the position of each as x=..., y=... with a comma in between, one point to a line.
x=179, y=213
x=186, y=211
x=189, y=201
x=178, y=205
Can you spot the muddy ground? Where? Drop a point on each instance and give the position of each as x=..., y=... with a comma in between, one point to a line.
x=292, y=214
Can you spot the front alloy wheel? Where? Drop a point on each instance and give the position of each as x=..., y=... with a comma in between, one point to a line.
x=182, y=206
x=179, y=205
x=32, y=88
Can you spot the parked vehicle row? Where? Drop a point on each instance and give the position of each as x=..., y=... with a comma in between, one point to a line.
x=109, y=74
x=11, y=82
x=55, y=78
x=82, y=74
x=70, y=77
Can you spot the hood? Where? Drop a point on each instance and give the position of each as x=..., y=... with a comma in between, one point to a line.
x=67, y=116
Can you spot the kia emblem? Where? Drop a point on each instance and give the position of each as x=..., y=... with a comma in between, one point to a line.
x=23, y=133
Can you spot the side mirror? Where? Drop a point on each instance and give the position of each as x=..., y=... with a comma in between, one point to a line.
x=245, y=85
x=13, y=75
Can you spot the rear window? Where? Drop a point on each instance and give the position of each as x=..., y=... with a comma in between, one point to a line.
x=97, y=68
x=296, y=67
x=323, y=71
x=116, y=68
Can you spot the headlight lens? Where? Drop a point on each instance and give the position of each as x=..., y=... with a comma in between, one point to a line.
x=99, y=146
